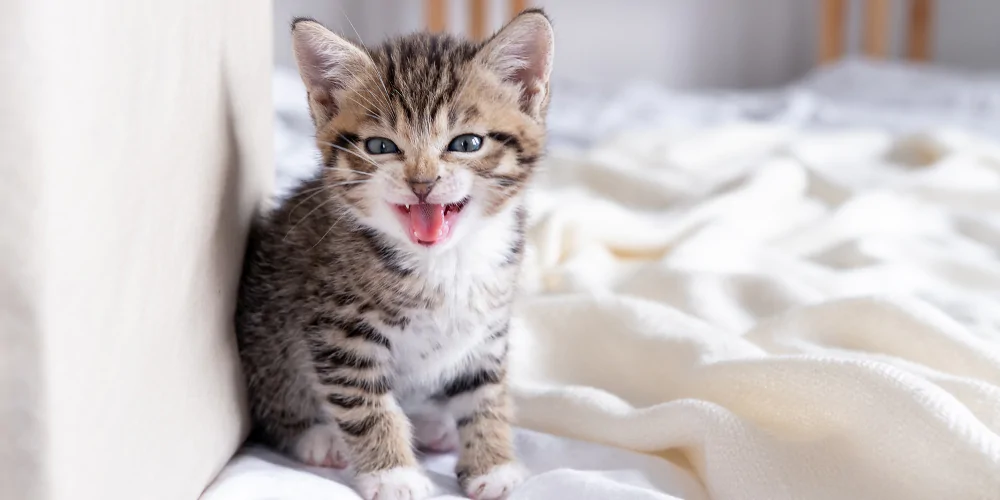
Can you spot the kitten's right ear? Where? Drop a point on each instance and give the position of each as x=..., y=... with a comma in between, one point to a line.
x=328, y=64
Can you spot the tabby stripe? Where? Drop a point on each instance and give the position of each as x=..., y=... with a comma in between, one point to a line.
x=377, y=386
x=448, y=91
x=330, y=293
x=390, y=257
x=471, y=381
x=360, y=427
x=347, y=139
x=524, y=160
x=500, y=333
x=477, y=416
x=342, y=357
x=506, y=180
x=507, y=140
x=320, y=322
x=400, y=322
x=346, y=402
x=516, y=249
x=470, y=113
x=360, y=329
x=390, y=82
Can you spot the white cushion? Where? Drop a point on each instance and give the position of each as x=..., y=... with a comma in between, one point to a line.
x=135, y=143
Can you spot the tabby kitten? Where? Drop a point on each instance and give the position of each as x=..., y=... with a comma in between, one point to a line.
x=374, y=305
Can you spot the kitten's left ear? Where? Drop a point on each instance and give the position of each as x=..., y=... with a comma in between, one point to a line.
x=521, y=52
x=328, y=64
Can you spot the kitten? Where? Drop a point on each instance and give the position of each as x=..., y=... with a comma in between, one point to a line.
x=374, y=305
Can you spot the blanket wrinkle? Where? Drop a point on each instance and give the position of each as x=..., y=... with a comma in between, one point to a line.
x=820, y=322
x=749, y=311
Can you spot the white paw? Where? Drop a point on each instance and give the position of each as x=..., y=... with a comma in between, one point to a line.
x=497, y=483
x=401, y=483
x=435, y=433
x=322, y=446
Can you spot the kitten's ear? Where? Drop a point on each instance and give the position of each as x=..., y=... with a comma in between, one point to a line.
x=521, y=52
x=328, y=64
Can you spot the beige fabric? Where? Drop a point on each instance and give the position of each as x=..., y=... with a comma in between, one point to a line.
x=785, y=314
x=135, y=143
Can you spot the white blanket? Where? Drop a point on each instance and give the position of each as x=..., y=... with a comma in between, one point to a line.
x=793, y=315
x=768, y=314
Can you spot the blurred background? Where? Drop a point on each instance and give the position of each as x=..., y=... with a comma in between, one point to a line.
x=682, y=44
x=634, y=65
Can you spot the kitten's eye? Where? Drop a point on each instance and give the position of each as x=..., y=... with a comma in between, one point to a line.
x=466, y=143
x=380, y=146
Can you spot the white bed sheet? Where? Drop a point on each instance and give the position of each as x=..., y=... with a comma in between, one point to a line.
x=560, y=467
x=866, y=99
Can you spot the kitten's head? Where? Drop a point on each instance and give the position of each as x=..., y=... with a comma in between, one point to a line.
x=428, y=137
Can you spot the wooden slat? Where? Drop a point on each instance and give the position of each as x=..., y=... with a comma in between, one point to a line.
x=477, y=19
x=516, y=6
x=876, y=35
x=436, y=13
x=919, y=34
x=831, y=30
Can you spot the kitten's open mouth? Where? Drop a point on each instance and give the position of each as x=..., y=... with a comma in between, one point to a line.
x=430, y=223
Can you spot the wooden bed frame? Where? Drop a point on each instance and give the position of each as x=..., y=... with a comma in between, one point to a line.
x=875, y=41
x=833, y=21
x=437, y=15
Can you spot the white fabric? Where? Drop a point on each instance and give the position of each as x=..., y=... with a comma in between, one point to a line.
x=800, y=315
x=887, y=94
x=562, y=468
x=134, y=147
x=773, y=313
x=796, y=315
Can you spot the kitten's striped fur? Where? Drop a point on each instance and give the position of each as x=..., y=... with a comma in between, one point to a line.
x=348, y=330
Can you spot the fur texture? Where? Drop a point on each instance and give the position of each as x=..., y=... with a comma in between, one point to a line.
x=350, y=329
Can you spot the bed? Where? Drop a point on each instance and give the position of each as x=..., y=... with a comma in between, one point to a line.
x=783, y=294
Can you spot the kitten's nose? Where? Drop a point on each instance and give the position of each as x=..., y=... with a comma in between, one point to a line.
x=422, y=187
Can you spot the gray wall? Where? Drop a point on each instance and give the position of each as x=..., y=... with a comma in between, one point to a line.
x=680, y=43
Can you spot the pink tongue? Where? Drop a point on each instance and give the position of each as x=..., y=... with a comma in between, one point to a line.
x=427, y=221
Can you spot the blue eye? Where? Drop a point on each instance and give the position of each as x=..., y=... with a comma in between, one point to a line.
x=466, y=143
x=380, y=146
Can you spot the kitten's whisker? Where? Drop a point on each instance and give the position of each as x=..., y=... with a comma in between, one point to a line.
x=380, y=76
x=369, y=160
x=359, y=103
x=306, y=216
x=348, y=183
x=367, y=100
x=317, y=190
x=379, y=97
x=366, y=155
x=354, y=76
x=314, y=191
x=342, y=214
x=363, y=152
x=345, y=169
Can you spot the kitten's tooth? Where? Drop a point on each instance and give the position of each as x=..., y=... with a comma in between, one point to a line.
x=407, y=208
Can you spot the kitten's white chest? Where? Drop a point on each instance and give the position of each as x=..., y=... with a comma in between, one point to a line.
x=437, y=342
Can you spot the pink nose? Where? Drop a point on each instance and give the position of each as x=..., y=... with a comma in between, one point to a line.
x=422, y=188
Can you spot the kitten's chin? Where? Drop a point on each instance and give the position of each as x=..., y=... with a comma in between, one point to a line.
x=430, y=224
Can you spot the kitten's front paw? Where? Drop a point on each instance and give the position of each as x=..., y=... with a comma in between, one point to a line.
x=401, y=483
x=496, y=484
x=322, y=446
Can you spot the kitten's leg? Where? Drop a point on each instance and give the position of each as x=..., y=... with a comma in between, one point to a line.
x=487, y=468
x=322, y=445
x=287, y=417
x=356, y=384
